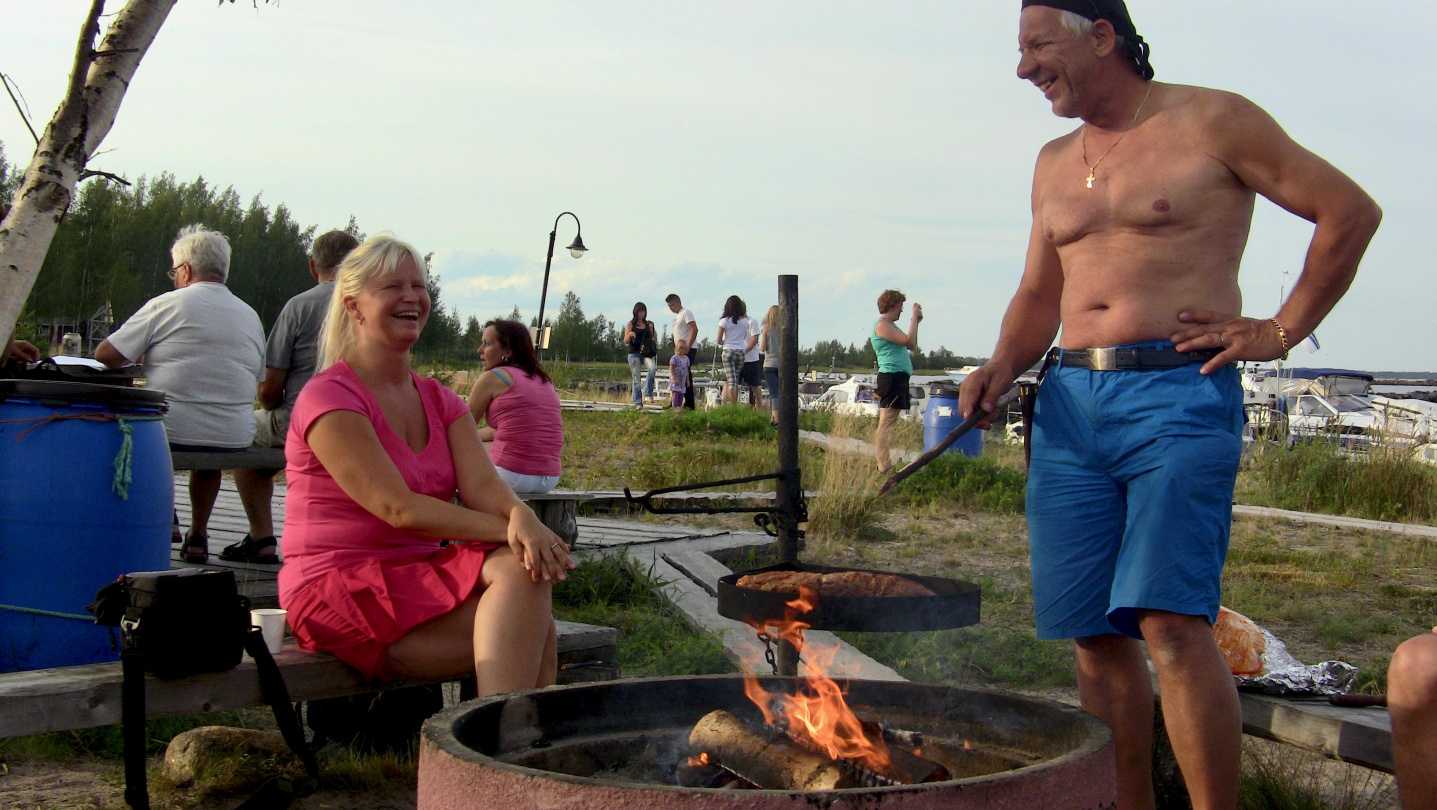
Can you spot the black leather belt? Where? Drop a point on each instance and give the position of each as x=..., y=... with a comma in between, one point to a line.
x=1126, y=359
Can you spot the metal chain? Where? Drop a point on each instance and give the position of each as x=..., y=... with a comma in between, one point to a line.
x=768, y=650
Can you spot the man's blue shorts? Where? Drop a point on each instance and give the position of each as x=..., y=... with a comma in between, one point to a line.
x=1130, y=494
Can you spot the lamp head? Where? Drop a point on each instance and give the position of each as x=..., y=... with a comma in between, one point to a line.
x=577, y=249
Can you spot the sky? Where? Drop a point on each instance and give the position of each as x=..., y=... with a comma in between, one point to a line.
x=709, y=147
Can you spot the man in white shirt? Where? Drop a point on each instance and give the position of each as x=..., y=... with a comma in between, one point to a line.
x=204, y=348
x=685, y=329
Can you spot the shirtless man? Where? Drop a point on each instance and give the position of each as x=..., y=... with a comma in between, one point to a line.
x=1140, y=217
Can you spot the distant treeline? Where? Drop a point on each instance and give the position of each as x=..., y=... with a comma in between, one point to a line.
x=113, y=246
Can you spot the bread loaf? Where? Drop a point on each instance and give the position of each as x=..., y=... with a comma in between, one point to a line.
x=1240, y=641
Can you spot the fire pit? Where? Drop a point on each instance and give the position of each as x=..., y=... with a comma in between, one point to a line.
x=625, y=744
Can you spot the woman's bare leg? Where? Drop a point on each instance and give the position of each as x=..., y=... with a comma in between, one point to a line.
x=511, y=626
x=503, y=633
x=549, y=665
x=442, y=647
x=886, y=418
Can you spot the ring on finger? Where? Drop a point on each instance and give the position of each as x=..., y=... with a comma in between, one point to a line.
x=554, y=544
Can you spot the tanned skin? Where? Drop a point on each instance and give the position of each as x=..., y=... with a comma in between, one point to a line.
x=1151, y=252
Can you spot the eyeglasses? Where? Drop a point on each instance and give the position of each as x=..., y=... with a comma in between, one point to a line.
x=175, y=271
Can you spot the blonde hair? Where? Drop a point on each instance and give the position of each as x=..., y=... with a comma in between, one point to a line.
x=378, y=256
x=770, y=320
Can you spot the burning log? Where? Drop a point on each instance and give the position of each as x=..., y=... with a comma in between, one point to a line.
x=901, y=767
x=771, y=763
x=906, y=767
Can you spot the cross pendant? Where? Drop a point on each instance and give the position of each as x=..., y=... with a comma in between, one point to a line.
x=1091, y=178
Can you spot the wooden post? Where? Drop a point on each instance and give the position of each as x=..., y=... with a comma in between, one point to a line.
x=790, y=482
x=790, y=485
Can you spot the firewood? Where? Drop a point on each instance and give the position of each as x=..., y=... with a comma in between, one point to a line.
x=905, y=767
x=772, y=762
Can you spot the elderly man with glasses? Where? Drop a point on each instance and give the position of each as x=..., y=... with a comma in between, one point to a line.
x=204, y=348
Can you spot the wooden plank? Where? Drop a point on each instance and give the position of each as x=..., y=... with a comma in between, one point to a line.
x=699, y=567
x=1413, y=529
x=1362, y=736
x=46, y=700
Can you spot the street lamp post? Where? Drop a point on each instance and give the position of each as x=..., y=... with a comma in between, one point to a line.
x=576, y=250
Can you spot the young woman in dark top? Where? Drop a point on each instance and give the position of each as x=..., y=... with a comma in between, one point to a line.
x=642, y=340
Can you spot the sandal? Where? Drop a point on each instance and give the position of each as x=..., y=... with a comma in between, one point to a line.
x=196, y=549
x=250, y=550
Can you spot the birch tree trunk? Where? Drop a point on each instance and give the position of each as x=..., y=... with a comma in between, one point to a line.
x=97, y=85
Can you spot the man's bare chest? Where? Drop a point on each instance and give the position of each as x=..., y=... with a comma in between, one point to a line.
x=1139, y=188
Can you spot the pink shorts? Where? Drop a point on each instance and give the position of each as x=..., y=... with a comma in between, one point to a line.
x=354, y=613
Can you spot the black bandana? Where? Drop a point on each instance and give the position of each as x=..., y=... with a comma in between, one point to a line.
x=1115, y=12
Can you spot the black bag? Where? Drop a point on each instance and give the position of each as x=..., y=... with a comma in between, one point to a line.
x=185, y=622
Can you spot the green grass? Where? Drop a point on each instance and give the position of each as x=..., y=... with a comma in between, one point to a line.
x=1333, y=593
x=1315, y=477
x=643, y=450
x=907, y=434
x=615, y=591
x=1274, y=778
x=983, y=484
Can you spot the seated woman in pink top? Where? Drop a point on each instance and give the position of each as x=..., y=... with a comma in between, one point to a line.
x=376, y=456
x=520, y=409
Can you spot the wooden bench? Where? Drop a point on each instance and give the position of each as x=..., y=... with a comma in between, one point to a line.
x=46, y=700
x=1359, y=735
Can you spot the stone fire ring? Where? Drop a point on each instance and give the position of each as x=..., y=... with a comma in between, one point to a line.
x=463, y=753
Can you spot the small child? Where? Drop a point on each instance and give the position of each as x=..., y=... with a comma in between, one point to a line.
x=679, y=373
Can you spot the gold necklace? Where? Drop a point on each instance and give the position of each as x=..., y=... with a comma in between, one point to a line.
x=1093, y=168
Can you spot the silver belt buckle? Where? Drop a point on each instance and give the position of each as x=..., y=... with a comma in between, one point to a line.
x=1103, y=359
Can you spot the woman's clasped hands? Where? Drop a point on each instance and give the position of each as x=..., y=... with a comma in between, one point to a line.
x=544, y=555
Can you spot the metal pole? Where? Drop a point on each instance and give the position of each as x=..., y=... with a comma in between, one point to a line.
x=790, y=484
x=545, y=293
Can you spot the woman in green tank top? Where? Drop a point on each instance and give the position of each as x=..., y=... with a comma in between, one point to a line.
x=894, y=367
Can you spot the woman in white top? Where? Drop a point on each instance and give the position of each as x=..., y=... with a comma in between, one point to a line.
x=735, y=338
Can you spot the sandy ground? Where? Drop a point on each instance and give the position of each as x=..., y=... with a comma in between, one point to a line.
x=31, y=784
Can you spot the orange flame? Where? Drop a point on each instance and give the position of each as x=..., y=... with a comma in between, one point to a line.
x=700, y=760
x=817, y=711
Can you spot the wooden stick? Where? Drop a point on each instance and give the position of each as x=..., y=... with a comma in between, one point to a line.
x=954, y=435
x=771, y=763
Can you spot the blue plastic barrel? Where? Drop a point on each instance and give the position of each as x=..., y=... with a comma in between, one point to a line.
x=939, y=419
x=71, y=517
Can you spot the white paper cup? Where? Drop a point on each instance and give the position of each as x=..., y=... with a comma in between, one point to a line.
x=271, y=621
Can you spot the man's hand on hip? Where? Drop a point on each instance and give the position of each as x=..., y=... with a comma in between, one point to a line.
x=1235, y=337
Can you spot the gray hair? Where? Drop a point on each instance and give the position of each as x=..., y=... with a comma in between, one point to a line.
x=207, y=252
x=1081, y=27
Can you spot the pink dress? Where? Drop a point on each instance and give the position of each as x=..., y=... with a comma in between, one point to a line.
x=353, y=584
